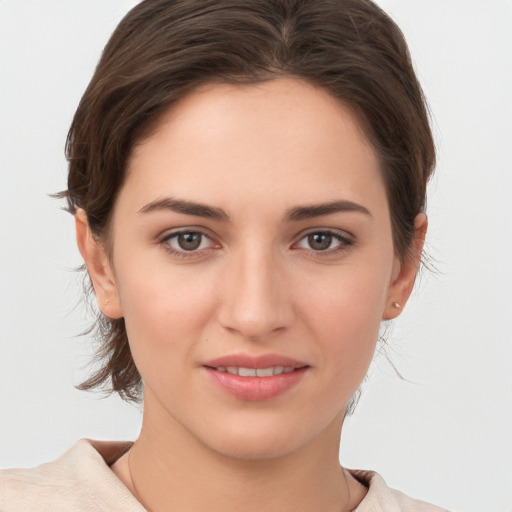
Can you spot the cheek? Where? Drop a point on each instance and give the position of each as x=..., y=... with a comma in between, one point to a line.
x=345, y=315
x=165, y=309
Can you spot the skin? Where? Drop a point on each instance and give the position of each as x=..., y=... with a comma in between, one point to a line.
x=255, y=286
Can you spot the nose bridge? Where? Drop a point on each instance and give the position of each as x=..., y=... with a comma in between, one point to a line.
x=256, y=300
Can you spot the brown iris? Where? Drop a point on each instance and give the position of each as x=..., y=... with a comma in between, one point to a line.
x=320, y=241
x=189, y=241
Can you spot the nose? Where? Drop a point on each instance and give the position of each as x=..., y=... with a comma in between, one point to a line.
x=256, y=297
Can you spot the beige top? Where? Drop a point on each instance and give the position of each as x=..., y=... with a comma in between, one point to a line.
x=81, y=480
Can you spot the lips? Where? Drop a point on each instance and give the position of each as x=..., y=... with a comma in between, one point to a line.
x=256, y=372
x=258, y=378
x=247, y=361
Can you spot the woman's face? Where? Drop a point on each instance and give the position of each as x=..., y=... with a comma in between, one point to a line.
x=252, y=233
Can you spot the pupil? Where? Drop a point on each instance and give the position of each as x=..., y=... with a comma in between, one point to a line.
x=189, y=241
x=319, y=241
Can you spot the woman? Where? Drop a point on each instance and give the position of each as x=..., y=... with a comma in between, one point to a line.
x=248, y=183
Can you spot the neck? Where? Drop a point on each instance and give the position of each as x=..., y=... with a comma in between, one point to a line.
x=170, y=469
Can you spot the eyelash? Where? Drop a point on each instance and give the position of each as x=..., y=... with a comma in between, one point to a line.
x=344, y=243
x=165, y=243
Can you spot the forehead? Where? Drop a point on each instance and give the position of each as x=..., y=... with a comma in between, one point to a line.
x=284, y=138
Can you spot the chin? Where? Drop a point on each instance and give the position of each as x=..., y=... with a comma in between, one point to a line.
x=265, y=438
x=256, y=447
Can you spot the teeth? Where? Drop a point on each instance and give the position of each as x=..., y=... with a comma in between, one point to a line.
x=256, y=372
x=265, y=372
x=247, y=372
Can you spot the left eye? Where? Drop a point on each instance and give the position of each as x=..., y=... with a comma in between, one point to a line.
x=188, y=241
x=322, y=241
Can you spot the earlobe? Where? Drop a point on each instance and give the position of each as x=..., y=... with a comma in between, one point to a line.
x=405, y=274
x=98, y=266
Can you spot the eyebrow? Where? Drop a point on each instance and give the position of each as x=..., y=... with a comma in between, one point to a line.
x=318, y=210
x=295, y=214
x=185, y=207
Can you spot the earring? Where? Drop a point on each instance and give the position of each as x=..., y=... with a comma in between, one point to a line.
x=396, y=305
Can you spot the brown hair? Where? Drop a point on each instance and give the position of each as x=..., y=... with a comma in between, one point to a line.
x=163, y=49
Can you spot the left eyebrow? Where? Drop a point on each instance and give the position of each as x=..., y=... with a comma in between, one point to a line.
x=317, y=210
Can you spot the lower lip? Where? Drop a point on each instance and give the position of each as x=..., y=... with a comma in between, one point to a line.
x=256, y=389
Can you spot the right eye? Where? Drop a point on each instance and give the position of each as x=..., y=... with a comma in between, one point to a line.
x=187, y=241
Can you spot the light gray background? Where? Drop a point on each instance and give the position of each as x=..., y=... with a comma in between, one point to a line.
x=445, y=434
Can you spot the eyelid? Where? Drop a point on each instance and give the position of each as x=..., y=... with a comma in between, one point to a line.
x=346, y=239
x=166, y=236
x=330, y=231
x=169, y=233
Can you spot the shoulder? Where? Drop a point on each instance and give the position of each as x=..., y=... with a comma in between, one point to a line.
x=78, y=480
x=381, y=498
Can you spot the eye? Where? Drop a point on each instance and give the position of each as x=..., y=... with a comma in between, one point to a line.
x=324, y=241
x=187, y=241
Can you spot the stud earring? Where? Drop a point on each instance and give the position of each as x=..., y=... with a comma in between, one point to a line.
x=396, y=305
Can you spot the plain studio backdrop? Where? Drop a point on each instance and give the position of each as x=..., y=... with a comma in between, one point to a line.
x=445, y=433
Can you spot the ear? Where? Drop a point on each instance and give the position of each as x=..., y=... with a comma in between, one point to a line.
x=404, y=273
x=99, y=267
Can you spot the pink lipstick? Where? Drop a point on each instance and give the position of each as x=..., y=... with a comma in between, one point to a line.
x=258, y=378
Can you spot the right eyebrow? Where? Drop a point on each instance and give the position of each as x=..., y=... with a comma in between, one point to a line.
x=185, y=207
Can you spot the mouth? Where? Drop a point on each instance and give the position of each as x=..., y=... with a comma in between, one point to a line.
x=255, y=378
x=255, y=372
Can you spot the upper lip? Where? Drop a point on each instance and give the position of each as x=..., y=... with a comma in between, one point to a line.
x=248, y=361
